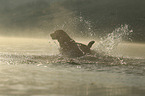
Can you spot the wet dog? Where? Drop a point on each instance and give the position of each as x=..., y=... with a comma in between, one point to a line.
x=70, y=48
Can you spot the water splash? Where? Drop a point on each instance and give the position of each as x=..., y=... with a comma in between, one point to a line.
x=86, y=26
x=110, y=42
x=75, y=26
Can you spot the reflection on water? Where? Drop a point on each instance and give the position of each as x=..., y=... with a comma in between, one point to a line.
x=32, y=67
x=33, y=80
x=134, y=50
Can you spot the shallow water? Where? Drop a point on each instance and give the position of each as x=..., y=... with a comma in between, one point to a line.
x=33, y=67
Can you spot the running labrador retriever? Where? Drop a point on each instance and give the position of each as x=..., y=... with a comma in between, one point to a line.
x=70, y=48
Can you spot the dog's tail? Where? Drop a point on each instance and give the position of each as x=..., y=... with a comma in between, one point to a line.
x=91, y=43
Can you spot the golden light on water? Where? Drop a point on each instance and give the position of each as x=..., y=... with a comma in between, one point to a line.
x=131, y=50
x=123, y=49
x=27, y=64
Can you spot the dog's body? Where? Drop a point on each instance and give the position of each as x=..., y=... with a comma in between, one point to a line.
x=70, y=48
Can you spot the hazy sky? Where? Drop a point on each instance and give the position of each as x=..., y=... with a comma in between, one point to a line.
x=24, y=17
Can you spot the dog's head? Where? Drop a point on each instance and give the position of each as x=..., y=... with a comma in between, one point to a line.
x=59, y=34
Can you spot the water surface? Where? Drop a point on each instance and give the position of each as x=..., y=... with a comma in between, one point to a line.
x=33, y=67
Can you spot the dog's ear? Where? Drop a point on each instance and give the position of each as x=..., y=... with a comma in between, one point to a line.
x=91, y=43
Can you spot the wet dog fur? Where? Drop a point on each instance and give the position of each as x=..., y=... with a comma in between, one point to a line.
x=70, y=48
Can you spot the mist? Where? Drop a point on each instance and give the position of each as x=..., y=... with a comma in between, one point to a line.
x=38, y=18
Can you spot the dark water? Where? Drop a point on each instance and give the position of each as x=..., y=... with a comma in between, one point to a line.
x=33, y=67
